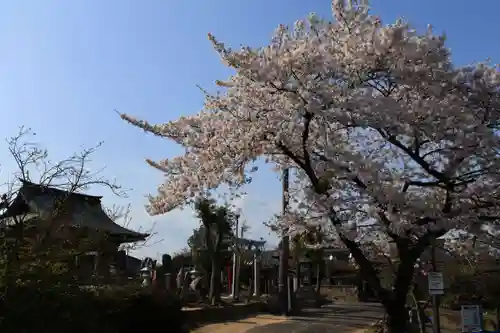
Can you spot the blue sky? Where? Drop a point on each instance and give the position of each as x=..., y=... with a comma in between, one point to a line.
x=66, y=65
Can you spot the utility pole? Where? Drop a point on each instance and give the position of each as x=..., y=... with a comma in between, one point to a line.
x=238, y=266
x=284, y=251
x=436, y=323
x=235, y=277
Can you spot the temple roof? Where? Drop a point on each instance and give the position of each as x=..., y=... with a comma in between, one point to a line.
x=39, y=202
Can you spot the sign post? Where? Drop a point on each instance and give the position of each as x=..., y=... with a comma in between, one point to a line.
x=436, y=283
x=471, y=318
x=436, y=288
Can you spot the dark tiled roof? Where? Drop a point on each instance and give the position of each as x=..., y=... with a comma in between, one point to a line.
x=86, y=210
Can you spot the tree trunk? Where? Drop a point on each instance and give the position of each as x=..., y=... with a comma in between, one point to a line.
x=394, y=301
x=214, y=294
x=396, y=320
x=497, y=321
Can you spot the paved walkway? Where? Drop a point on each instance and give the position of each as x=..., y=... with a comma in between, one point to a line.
x=241, y=326
x=333, y=318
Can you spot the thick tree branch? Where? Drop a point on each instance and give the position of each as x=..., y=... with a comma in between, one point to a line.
x=417, y=158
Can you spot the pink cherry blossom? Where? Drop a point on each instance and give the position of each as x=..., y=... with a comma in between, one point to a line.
x=389, y=138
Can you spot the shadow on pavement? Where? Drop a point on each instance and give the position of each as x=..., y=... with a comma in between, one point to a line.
x=337, y=318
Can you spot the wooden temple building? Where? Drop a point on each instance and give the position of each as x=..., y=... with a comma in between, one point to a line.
x=76, y=223
x=334, y=270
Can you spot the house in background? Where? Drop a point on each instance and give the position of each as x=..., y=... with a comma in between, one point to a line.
x=77, y=223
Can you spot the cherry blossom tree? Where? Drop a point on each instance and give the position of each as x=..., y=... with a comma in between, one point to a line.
x=392, y=143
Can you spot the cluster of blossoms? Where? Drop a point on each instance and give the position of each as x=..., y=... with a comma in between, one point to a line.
x=385, y=133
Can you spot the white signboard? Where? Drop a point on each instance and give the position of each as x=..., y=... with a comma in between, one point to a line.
x=436, y=284
x=471, y=318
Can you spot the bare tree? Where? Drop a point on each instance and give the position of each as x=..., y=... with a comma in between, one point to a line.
x=122, y=216
x=70, y=175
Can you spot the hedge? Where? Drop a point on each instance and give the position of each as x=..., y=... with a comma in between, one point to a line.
x=28, y=309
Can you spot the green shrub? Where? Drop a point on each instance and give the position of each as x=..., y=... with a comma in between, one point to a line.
x=28, y=309
x=144, y=311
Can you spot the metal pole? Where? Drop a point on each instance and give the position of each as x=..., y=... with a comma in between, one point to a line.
x=238, y=263
x=284, y=251
x=256, y=274
x=436, y=323
x=234, y=282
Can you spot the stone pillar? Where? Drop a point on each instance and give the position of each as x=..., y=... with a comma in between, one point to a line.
x=168, y=282
x=146, y=277
x=256, y=274
x=167, y=266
